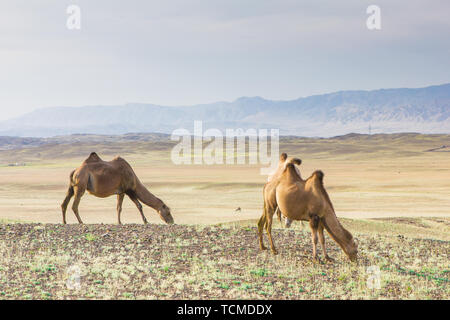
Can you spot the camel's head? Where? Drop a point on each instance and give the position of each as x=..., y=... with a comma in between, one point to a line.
x=352, y=250
x=347, y=243
x=164, y=213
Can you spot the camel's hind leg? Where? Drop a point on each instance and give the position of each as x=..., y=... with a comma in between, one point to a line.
x=134, y=198
x=314, y=224
x=268, y=225
x=119, y=206
x=65, y=203
x=79, y=192
x=261, y=224
x=322, y=242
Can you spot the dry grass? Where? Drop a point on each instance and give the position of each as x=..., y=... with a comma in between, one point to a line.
x=211, y=262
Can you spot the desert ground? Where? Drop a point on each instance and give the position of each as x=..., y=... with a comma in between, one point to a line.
x=390, y=191
x=366, y=176
x=219, y=262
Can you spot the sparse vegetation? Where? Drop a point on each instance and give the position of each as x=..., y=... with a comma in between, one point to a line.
x=187, y=262
x=381, y=176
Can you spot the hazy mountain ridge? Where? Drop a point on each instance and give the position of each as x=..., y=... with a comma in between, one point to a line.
x=425, y=110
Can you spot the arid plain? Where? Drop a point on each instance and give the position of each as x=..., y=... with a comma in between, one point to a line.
x=390, y=191
x=376, y=176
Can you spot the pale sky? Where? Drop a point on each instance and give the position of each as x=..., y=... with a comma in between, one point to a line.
x=184, y=52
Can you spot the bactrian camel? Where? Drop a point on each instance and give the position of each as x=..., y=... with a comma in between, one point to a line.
x=272, y=181
x=106, y=178
x=305, y=200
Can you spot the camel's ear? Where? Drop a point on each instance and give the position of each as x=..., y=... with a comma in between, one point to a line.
x=297, y=161
x=283, y=156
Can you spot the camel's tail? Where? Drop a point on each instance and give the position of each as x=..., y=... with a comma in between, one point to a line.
x=69, y=194
x=71, y=178
x=147, y=197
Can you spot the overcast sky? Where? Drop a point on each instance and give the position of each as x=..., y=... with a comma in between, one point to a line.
x=183, y=52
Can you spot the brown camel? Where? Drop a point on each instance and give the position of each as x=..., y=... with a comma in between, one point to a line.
x=305, y=200
x=106, y=178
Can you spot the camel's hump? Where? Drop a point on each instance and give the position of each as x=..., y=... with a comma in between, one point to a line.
x=121, y=161
x=93, y=157
x=319, y=174
x=118, y=158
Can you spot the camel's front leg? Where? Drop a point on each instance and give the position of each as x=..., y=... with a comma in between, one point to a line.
x=138, y=205
x=314, y=224
x=269, y=217
x=119, y=206
x=322, y=243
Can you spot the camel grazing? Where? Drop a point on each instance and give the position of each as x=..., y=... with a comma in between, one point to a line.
x=305, y=200
x=106, y=178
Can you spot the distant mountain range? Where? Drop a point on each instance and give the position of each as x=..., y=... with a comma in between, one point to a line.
x=424, y=110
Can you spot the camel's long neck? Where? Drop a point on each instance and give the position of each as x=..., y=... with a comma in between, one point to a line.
x=337, y=231
x=147, y=197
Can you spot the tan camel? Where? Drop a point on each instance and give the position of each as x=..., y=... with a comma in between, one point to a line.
x=106, y=178
x=305, y=200
x=272, y=182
